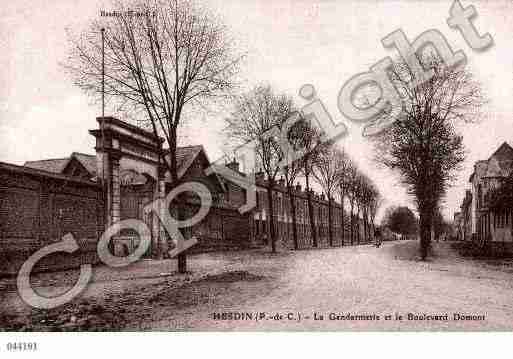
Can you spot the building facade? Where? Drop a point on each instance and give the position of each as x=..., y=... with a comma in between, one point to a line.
x=84, y=194
x=480, y=223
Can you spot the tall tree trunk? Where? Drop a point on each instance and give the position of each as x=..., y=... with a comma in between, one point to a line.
x=373, y=226
x=367, y=227
x=371, y=231
x=364, y=226
x=294, y=218
x=342, y=220
x=270, y=187
x=358, y=225
x=310, y=209
x=362, y=211
x=330, y=221
x=352, y=222
x=426, y=222
x=182, y=258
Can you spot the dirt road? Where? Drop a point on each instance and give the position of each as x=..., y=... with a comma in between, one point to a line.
x=349, y=288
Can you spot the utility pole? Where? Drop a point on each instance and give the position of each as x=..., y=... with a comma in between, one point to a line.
x=104, y=152
x=103, y=72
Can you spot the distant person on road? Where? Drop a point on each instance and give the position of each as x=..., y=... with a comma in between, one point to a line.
x=377, y=237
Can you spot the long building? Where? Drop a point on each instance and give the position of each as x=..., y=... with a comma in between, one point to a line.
x=84, y=194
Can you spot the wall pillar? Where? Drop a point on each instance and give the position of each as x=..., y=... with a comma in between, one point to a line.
x=115, y=195
x=114, y=198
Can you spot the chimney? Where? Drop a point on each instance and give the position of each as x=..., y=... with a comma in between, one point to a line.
x=234, y=165
x=322, y=196
x=281, y=182
x=298, y=187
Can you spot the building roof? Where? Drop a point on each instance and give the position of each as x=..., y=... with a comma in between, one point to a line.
x=42, y=173
x=88, y=161
x=55, y=165
x=185, y=156
x=500, y=164
x=504, y=152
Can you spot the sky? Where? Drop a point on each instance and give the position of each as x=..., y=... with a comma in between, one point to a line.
x=288, y=44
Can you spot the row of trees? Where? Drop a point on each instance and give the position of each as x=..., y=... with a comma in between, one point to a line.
x=180, y=57
x=322, y=163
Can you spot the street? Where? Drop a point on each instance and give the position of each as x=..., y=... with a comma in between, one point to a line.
x=229, y=291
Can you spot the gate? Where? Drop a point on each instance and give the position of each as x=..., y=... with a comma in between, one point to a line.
x=133, y=200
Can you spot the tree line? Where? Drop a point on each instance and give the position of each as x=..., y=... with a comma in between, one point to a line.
x=323, y=163
x=160, y=69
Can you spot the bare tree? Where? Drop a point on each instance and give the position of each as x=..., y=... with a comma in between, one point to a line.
x=374, y=205
x=311, y=144
x=256, y=112
x=328, y=170
x=359, y=188
x=369, y=196
x=423, y=144
x=344, y=188
x=353, y=188
x=363, y=201
x=297, y=136
x=156, y=66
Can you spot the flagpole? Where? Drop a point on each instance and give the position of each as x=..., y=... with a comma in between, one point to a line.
x=104, y=153
x=103, y=72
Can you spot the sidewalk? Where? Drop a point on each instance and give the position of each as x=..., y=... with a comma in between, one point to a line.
x=142, y=269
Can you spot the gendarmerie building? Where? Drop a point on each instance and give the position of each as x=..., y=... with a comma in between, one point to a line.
x=83, y=194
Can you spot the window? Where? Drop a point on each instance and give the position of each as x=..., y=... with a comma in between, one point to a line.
x=500, y=219
x=215, y=226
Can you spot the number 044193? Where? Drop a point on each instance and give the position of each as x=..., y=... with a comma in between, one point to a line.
x=21, y=346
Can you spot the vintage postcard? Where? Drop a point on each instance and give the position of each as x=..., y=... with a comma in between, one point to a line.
x=254, y=165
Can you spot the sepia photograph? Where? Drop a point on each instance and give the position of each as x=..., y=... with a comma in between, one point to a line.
x=255, y=166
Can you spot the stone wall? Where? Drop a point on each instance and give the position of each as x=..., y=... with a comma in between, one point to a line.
x=38, y=208
x=221, y=229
